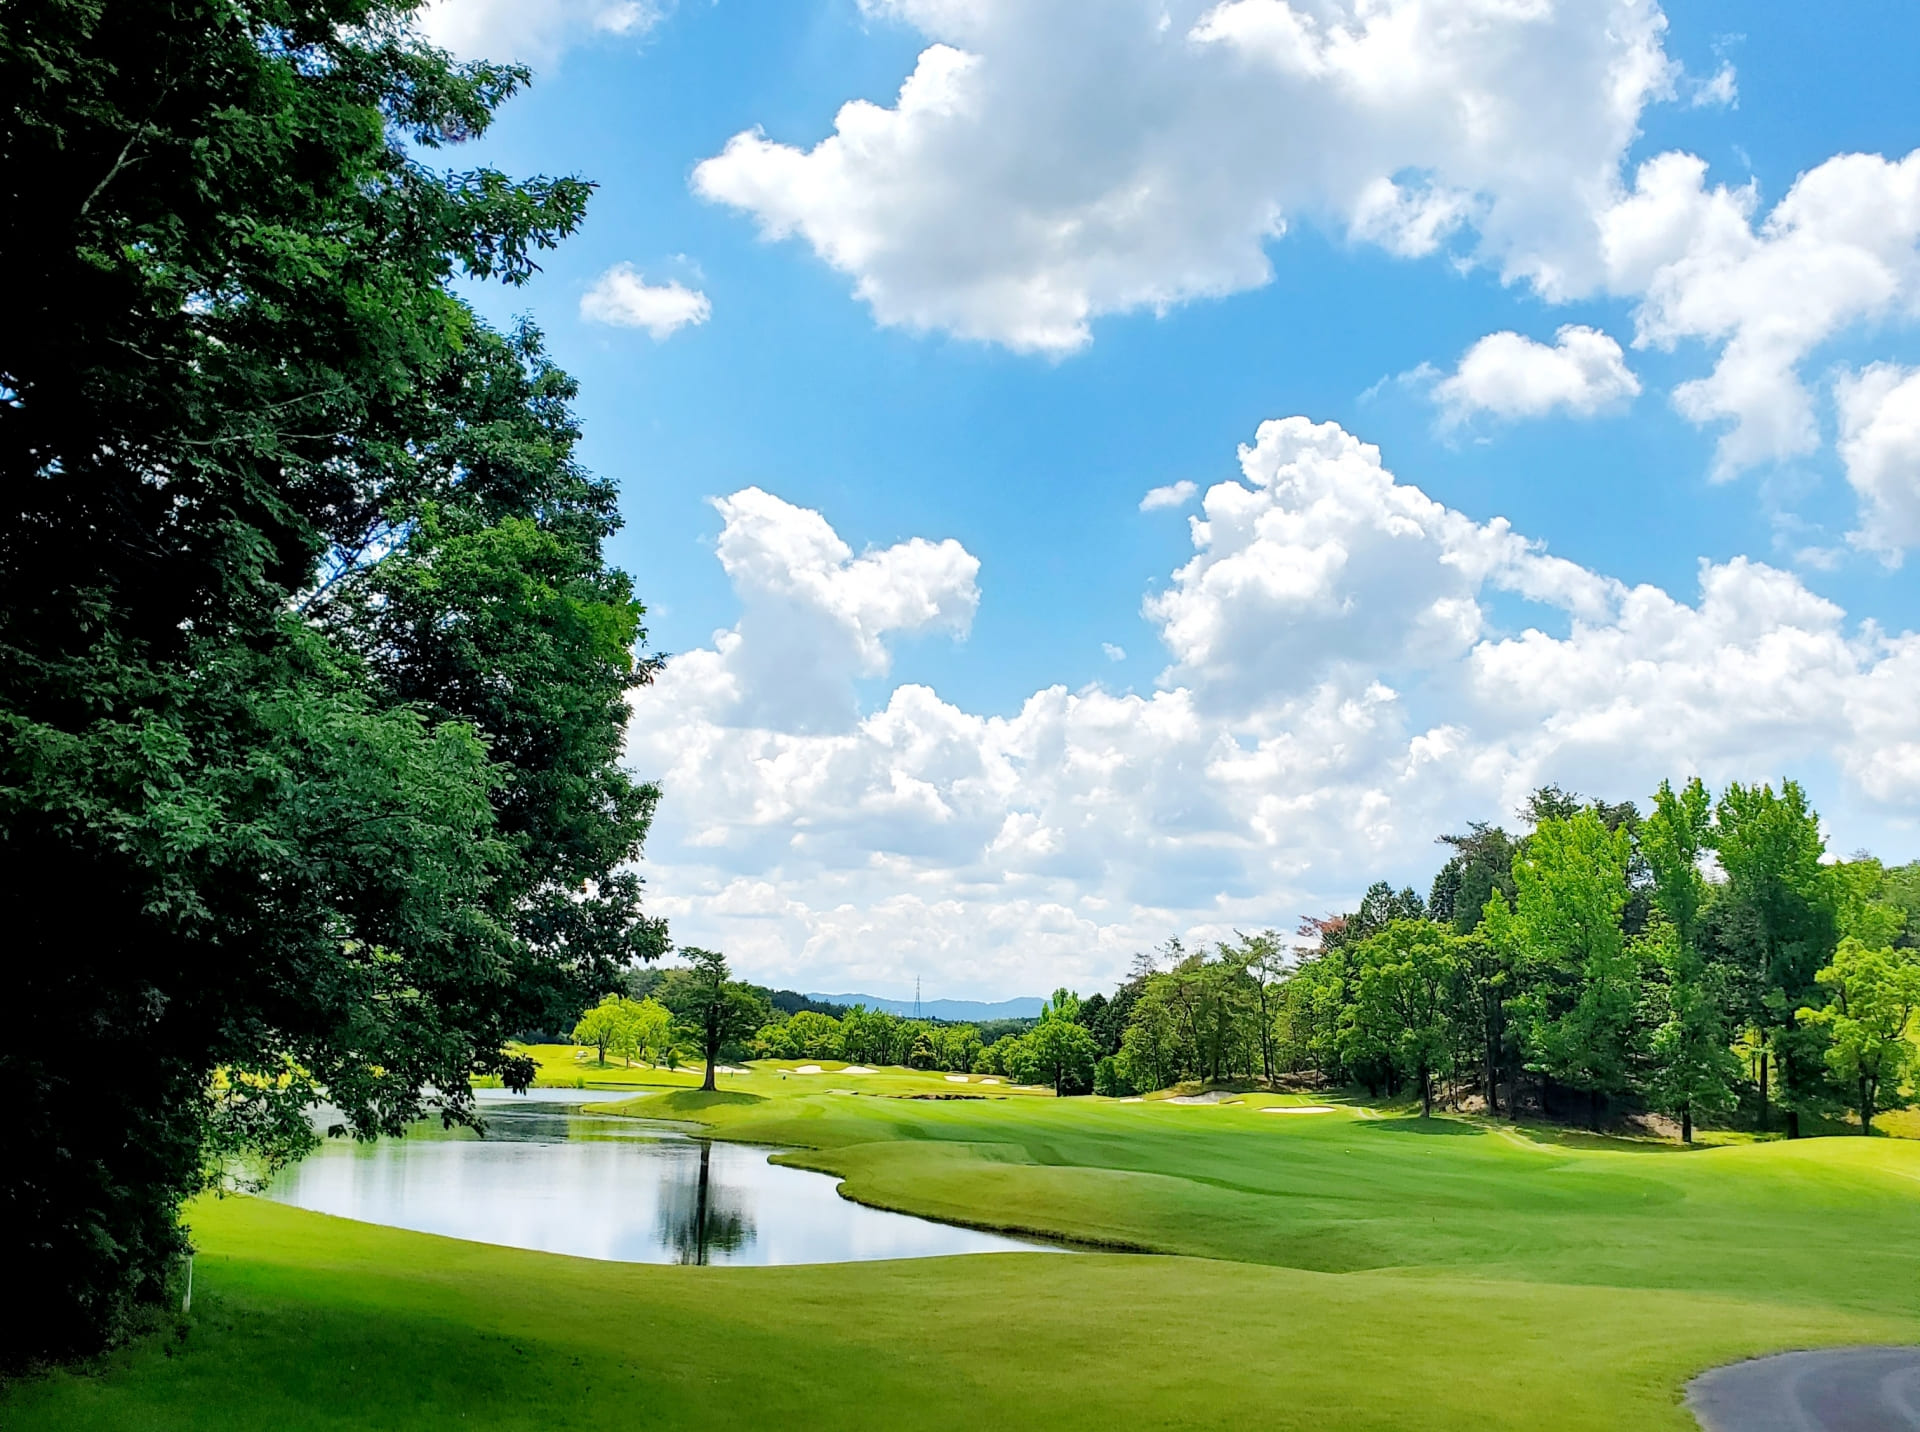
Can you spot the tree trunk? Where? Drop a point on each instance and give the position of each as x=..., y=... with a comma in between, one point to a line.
x=1593, y=1110
x=1426, y=1095
x=1686, y=1123
x=1764, y=1120
x=1866, y=1107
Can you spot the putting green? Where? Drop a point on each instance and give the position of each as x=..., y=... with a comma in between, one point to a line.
x=1352, y=1272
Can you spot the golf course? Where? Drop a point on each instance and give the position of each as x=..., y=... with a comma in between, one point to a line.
x=1345, y=1266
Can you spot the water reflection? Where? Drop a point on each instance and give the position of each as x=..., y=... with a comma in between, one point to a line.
x=699, y=1218
x=561, y=1180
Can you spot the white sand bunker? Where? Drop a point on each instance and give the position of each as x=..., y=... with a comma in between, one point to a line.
x=1299, y=1109
x=1133, y=1099
x=956, y=1078
x=1212, y=1096
x=989, y=1081
x=808, y=1069
x=856, y=1069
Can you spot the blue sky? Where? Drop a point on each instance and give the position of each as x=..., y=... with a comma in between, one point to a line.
x=868, y=374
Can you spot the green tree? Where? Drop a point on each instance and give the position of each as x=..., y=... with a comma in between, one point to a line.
x=652, y=1028
x=312, y=673
x=1407, y=980
x=1482, y=863
x=605, y=1026
x=715, y=1006
x=1778, y=929
x=1870, y=1019
x=1694, y=1068
x=1580, y=983
x=1063, y=1052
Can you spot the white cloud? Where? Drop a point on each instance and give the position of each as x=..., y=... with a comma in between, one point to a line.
x=1113, y=653
x=1837, y=250
x=1722, y=91
x=1337, y=692
x=1880, y=445
x=1174, y=494
x=1510, y=376
x=815, y=617
x=532, y=31
x=623, y=298
x=1046, y=164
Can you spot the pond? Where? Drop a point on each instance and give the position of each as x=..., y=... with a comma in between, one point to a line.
x=559, y=1179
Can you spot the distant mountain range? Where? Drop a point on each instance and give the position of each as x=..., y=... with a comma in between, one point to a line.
x=955, y=1009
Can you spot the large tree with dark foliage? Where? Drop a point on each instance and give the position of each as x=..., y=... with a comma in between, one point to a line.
x=312, y=672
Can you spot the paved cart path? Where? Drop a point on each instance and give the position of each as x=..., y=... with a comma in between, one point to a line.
x=1849, y=1389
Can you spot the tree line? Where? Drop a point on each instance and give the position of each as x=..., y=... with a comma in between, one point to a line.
x=1703, y=960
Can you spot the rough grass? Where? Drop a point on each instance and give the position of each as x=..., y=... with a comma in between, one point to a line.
x=1343, y=1271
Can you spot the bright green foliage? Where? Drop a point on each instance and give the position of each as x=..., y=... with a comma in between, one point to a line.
x=1673, y=839
x=1063, y=1052
x=1581, y=987
x=1407, y=978
x=312, y=673
x=805, y=1035
x=606, y=1027
x=1777, y=926
x=652, y=1028
x=626, y=1027
x=1694, y=1068
x=1870, y=1019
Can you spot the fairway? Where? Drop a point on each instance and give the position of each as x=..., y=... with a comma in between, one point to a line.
x=1345, y=1270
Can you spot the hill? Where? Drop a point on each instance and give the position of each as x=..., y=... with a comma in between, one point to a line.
x=949, y=1009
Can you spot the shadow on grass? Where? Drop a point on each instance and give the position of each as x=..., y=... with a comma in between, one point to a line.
x=1553, y=1136
x=688, y=1101
x=1414, y=1124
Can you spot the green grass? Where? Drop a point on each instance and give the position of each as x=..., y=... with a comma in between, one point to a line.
x=1341, y=1271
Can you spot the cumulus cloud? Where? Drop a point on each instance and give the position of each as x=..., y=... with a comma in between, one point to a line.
x=815, y=617
x=1880, y=445
x=1174, y=494
x=533, y=33
x=1046, y=164
x=1043, y=165
x=1838, y=249
x=1511, y=376
x=1337, y=689
x=623, y=298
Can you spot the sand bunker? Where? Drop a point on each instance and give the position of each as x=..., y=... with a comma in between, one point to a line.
x=989, y=1081
x=1212, y=1096
x=956, y=1078
x=808, y=1069
x=1298, y=1109
x=856, y=1069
